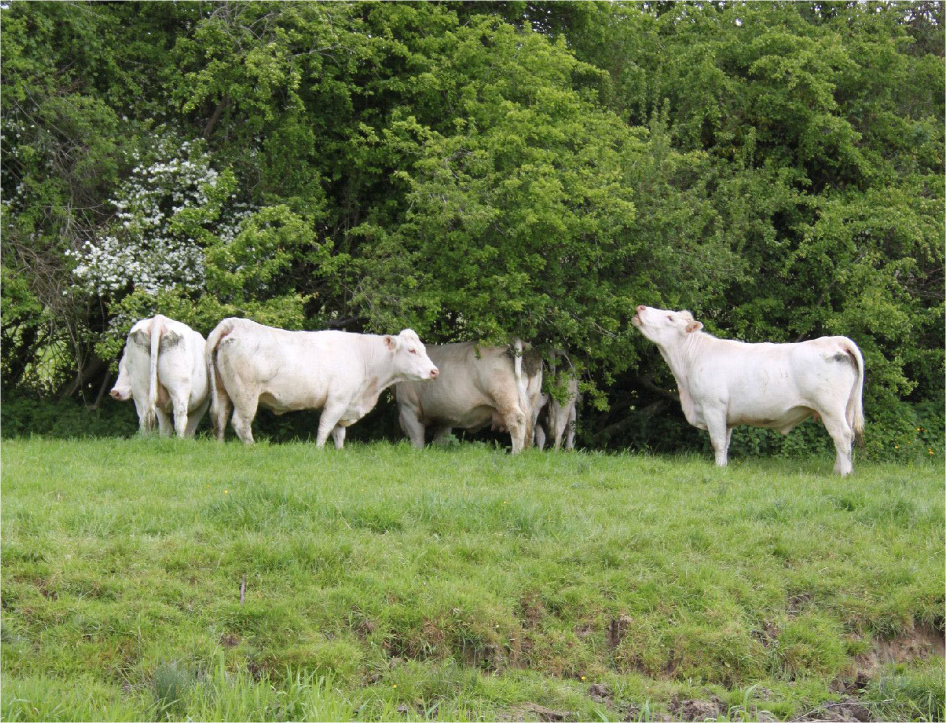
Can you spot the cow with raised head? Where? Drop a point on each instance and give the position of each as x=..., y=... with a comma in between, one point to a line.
x=725, y=383
x=162, y=368
x=477, y=386
x=338, y=372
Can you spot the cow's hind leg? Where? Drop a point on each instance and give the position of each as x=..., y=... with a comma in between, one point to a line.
x=244, y=411
x=573, y=422
x=338, y=436
x=539, y=436
x=193, y=419
x=440, y=433
x=219, y=409
x=719, y=437
x=164, y=422
x=843, y=437
x=179, y=408
x=411, y=426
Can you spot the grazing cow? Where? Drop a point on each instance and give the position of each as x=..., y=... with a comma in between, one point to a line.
x=163, y=370
x=725, y=383
x=335, y=371
x=556, y=420
x=498, y=385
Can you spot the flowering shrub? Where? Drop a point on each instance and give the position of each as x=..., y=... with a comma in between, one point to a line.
x=167, y=212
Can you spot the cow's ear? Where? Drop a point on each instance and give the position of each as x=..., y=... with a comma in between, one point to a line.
x=390, y=342
x=694, y=326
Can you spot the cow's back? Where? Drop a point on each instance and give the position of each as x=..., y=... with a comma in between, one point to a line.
x=286, y=370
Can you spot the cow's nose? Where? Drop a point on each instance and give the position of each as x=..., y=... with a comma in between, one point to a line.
x=641, y=308
x=115, y=394
x=434, y=372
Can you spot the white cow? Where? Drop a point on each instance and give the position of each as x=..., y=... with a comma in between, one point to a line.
x=163, y=370
x=556, y=420
x=478, y=385
x=725, y=383
x=335, y=371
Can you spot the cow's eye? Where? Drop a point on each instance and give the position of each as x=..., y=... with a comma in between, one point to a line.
x=413, y=351
x=670, y=317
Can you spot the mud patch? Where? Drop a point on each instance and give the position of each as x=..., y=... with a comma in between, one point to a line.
x=847, y=710
x=924, y=641
x=534, y=711
x=229, y=640
x=600, y=693
x=696, y=709
x=617, y=629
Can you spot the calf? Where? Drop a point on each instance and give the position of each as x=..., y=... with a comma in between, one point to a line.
x=338, y=372
x=162, y=368
x=725, y=383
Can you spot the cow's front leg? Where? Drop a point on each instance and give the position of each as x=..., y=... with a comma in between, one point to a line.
x=515, y=422
x=719, y=437
x=539, y=436
x=411, y=426
x=331, y=414
x=338, y=436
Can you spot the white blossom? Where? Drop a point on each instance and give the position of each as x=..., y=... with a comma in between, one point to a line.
x=142, y=249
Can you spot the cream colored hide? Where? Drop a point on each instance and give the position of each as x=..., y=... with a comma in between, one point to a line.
x=556, y=421
x=162, y=368
x=725, y=383
x=338, y=372
x=477, y=386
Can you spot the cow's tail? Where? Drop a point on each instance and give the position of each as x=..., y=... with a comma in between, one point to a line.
x=219, y=399
x=855, y=403
x=521, y=391
x=157, y=327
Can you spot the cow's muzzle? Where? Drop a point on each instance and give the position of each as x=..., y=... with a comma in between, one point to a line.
x=115, y=394
x=434, y=373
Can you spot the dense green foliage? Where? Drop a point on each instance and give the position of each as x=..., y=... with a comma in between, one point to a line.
x=481, y=171
x=384, y=583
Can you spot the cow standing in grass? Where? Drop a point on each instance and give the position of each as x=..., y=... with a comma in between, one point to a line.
x=162, y=368
x=556, y=421
x=725, y=383
x=338, y=372
x=478, y=386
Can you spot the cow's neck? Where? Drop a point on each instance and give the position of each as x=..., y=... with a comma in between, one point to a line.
x=680, y=359
x=378, y=376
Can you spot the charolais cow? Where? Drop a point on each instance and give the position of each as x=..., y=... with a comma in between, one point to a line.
x=162, y=368
x=725, y=383
x=338, y=372
x=556, y=420
x=477, y=386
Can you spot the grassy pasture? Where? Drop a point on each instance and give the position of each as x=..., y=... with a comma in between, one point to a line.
x=461, y=583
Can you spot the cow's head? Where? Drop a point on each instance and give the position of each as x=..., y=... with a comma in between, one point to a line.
x=665, y=327
x=410, y=356
x=122, y=389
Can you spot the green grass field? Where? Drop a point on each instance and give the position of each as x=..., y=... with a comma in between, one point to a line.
x=462, y=583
